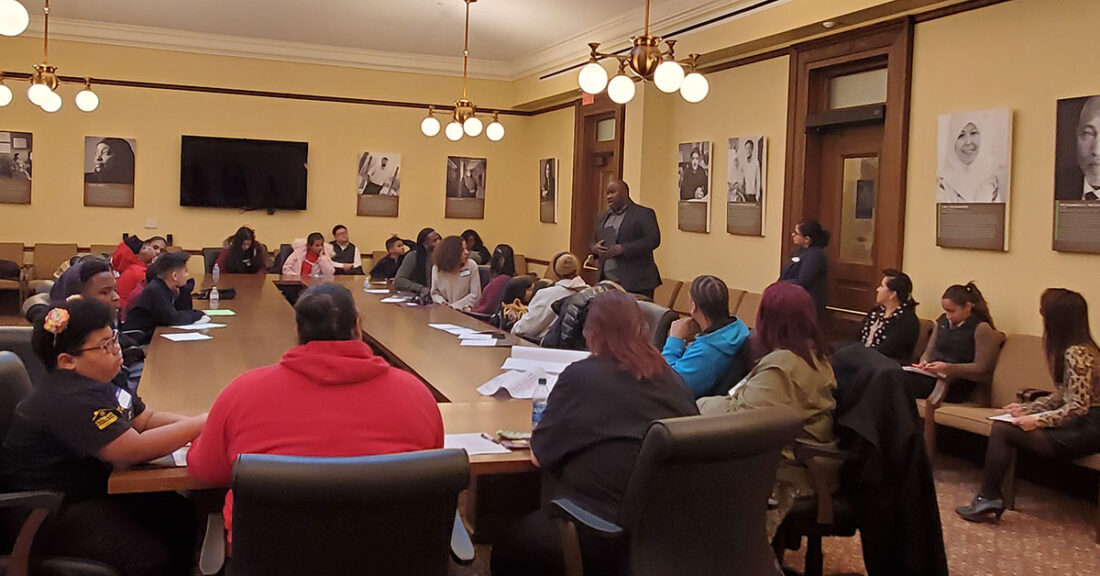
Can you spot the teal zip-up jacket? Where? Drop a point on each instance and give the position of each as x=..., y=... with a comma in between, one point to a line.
x=707, y=358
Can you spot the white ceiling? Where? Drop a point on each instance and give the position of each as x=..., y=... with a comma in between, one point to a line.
x=508, y=38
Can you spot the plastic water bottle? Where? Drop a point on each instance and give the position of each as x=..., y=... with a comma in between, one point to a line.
x=538, y=402
x=214, y=296
x=217, y=273
x=366, y=283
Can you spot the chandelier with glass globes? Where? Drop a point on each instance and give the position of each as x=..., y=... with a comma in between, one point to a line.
x=464, y=119
x=44, y=81
x=647, y=61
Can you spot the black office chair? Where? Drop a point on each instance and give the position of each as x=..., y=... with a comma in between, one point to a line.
x=284, y=252
x=17, y=339
x=209, y=258
x=22, y=513
x=697, y=500
x=484, y=274
x=659, y=319
x=392, y=514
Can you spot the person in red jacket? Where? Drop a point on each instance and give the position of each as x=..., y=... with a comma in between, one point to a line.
x=329, y=397
x=131, y=266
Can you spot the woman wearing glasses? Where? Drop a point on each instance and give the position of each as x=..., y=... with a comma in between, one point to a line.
x=77, y=425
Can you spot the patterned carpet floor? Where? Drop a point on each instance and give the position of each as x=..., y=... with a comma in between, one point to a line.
x=1049, y=533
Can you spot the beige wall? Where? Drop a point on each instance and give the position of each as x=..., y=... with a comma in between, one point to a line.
x=336, y=133
x=746, y=101
x=1023, y=55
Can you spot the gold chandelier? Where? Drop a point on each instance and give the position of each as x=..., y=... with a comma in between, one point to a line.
x=646, y=60
x=464, y=119
x=44, y=81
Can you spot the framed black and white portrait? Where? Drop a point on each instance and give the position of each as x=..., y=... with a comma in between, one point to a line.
x=465, y=187
x=693, y=186
x=1077, y=176
x=15, y=167
x=746, y=171
x=974, y=168
x=548, y=190
x=378, y=186
x=109, y=165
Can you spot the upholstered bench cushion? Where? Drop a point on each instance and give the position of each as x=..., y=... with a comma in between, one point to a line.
x=969, y=417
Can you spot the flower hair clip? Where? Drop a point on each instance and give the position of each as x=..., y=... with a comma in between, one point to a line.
x=56, y=321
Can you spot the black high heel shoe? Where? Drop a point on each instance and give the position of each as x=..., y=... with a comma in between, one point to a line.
x=982, y=510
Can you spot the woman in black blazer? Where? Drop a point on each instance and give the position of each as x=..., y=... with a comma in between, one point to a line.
x=809, y=267
x=892, y=327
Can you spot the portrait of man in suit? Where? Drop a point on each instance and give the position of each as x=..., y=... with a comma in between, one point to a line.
x=1077, y=150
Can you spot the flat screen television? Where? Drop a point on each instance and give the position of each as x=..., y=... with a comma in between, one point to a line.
x=245, y=174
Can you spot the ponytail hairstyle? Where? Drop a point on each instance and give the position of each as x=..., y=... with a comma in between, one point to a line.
x=969, y=294
x=1065, y=324
x=812, y=229
x=503, y=261
x=902, y=284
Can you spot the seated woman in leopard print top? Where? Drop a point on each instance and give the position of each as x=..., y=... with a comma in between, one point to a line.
x=1064, y=425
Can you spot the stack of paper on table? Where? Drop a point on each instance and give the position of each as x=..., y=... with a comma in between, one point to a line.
x=187, y=337
x=525, y=367
x=473, y=444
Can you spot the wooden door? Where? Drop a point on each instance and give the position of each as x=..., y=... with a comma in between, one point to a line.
x=598, y=160
x=848, y=208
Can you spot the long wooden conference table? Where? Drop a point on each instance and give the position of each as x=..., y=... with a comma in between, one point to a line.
x=186, y=377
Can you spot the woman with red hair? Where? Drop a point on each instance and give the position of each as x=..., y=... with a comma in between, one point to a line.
x=589, y=436
x=793, y=370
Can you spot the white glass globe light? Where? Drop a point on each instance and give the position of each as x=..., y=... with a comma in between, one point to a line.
x=621, y=89
x=592, y=78
x=695, y=87
x=472, y=126
x=53, y=103
x=13, y=18
x=453, y=131
x=668, y=76
x=5, y=95
x=495, y=131
x=38, y=93
x=429, y=126
x=87, y=100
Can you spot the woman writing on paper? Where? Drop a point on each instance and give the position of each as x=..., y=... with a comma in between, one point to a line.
x=1064, y=425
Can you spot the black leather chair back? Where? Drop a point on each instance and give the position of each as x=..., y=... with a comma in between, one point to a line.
x=697, y=499
x=284, y=252
x=389, y=514
x=209, y=258
x=15, y=385
x=483, y=273
x=659, y=318
x=18, y=339
x=740, y=367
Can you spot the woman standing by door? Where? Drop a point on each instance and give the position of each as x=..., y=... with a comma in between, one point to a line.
x=809, y=266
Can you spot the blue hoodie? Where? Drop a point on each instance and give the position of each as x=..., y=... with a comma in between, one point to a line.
x=708, y=357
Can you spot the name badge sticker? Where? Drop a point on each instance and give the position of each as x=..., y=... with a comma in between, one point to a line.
x=125, y=400
x=464, y=273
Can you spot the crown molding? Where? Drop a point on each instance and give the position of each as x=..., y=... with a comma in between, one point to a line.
x=614, y=34
x=670, y=16
x=264, y=49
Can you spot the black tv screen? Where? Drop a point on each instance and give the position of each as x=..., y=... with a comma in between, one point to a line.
x=245, y=174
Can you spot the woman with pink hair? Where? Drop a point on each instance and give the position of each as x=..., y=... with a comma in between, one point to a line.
x=793, y=370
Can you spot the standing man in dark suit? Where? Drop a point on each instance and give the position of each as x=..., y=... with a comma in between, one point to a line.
x=626, y=236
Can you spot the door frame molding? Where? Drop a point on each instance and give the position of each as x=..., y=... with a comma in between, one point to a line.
x=812, y=64
x=602, y=105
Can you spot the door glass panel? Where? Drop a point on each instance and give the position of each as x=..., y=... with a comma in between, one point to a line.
x=857, y=210
x=605, y=130
x=858, y=89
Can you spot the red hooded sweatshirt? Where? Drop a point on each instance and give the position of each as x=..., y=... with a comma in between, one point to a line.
x=323, y=398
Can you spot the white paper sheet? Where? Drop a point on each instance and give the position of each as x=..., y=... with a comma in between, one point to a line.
x=200, y=326
x=443, y=327
x=1003, y=418
x=919, y=370
x=376, y=291
x=549, y=354
x=187, y=337
x=473, y=444
x=395, y=299
x=477, y=336
x=220, y=312
x=484, y=343
x=517, y=384
x=514, y=363
x=180, y=456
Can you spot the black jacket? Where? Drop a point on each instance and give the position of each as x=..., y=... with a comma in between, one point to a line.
x=889, y=480
x=809, y=268
x=158, y=306
x=639, y=235
x=567, y=331
x=899, y=333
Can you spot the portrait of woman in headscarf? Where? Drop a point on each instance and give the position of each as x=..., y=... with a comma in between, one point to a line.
x=974, y=149
x=112, y=161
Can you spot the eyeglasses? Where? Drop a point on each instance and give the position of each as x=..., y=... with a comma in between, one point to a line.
x=108, y=346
